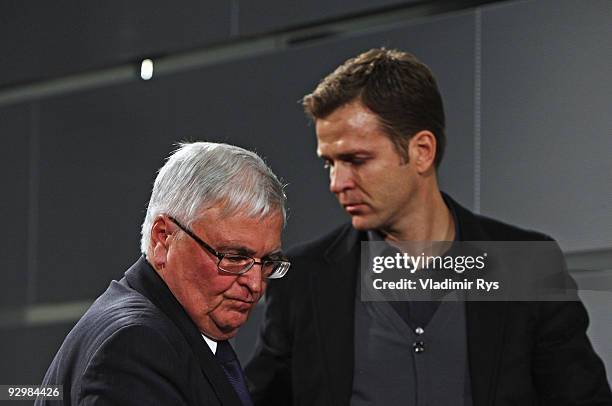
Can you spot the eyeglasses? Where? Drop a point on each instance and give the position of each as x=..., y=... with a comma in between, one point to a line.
x=236, y=264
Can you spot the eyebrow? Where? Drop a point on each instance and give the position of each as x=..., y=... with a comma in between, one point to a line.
x=242, y=250
x=349, y=154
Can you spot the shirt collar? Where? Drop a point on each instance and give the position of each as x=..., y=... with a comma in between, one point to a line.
x=212, y=344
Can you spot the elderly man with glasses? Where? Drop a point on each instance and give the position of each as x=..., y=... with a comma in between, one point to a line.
x=210, y=240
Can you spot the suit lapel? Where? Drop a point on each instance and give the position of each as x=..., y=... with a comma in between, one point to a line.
x=143, y=278
x=485, y=322
x=335, y=289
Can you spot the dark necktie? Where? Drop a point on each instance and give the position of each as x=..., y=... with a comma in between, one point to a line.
x=229, y=362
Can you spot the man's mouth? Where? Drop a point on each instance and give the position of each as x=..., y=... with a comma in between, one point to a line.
x=242, y=306
x=354, y=208
x=242, y=303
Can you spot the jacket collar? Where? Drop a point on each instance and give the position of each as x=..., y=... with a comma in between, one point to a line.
x=344, y=245
x=486, y=321
x=335, y=286
x=144, y=279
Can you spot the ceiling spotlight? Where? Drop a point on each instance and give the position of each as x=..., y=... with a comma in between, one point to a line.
x=146, y=69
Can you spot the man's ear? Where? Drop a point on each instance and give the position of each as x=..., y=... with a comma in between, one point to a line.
x=160, y=239
x=422, y=151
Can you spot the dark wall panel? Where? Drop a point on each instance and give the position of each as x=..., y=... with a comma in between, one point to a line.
x=99, y=154
x=547, y=128
x=26, y=352
x=14, y=177
x=272, y=15
x=40, y=39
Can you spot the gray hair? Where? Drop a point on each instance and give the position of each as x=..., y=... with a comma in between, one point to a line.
x=201, y=175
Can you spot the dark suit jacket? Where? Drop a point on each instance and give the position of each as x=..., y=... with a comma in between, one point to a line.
x=520, y=353
x=137, y=346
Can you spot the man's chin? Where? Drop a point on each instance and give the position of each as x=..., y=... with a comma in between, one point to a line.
x=233, y=321
x=225, y=326
x=225, y=332
x=362, y=223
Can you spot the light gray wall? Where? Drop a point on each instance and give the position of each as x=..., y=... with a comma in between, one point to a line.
x=546, y=122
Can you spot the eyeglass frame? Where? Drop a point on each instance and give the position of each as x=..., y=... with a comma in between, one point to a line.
x=221, y=255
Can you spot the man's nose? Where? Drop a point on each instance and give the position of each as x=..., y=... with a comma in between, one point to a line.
x=340, y=178
x=253, y=279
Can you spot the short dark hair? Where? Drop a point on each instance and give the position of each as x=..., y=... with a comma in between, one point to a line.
x=395, y=85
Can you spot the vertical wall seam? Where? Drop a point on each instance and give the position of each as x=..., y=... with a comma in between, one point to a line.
x=477, y=106
x=234, y=18
x=33, y=200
